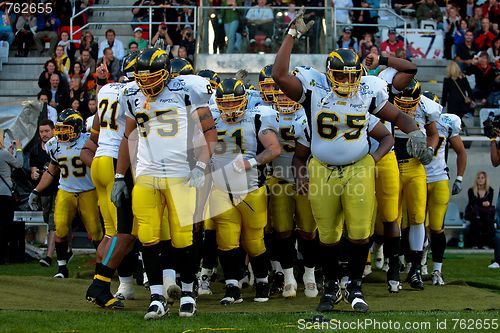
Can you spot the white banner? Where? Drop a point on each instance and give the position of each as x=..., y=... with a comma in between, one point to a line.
x=424, y=44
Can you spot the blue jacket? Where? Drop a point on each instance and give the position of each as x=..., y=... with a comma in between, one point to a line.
x=42, y=19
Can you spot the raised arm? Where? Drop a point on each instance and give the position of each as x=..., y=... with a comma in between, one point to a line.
x=406, y=69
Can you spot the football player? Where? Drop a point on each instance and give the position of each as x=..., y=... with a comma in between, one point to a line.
x=214, y=80
x=106, y=135
x=76, y=190
x=165, y=113
x=400, y=72
x=413, y=188
x=336, y=105
x=180, y=66
x=238, y=203
x=438, y=193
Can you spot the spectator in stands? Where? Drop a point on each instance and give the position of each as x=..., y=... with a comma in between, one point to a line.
x=346, y=41
x=365, y=45
x=475, y=20
x=140, y=14
x=379, y=68
x=75, y=104
x=185, y=18
x=485, y=75
x=39, y=161
x=459, y=37
x=69, y=47
x=182, y=53
x=485, y=37
x=369, y=17
x=91, y=108
x=8, y=161
x=466, y=51
x=142, y=43
x=451, y=24
x=162, y=39
x=429, y=10
x=59, y=93
x=390, y=46
x=457, y=93
x=468, y=11
x=111, y=62
x=169, y=14
x=89, y=44
x=188, y=42
x=113, y=43
x=398, y=5
x=48, y=112
x=481, y=212
x=491, y=10
x=133, y=47
x=494, y=50
x=342, y=14
x=64, y=10
x=47, y=27
x=26, y=28
x=6, y=32
x=231, y=18
x=77, y=91
x=50, y=68
x=260, y=20
x=317, y=16
x=62, y=61
x=87, y=61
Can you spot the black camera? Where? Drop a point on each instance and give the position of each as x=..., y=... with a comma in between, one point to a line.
x=491, y=125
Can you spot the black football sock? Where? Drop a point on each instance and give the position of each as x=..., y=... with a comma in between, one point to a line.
x=210, y=250
x=186, y=257
x=286, y=251
x=260, y=265
x=438, y=246
x=309, y=250
x=391, y=252
x=329, y=256
x=357, y=260
x=151, y=256
x=128, y=265
x=62, y=253
x=231, y=262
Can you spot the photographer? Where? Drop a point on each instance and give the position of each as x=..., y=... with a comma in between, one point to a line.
x=492, y=130
x=162, y=39
x=39, y=161
x=188, y=42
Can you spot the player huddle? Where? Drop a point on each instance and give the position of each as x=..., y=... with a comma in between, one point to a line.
x=192, y=172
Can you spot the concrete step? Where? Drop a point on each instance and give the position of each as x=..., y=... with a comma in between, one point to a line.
x=19, y=88
x=111, y=15
x=21, y=72
x=27, y=60
x=14, y=99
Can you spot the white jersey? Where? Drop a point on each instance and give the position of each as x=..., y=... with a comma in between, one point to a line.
x=237, y=141
x=74, y=174
x=255, y=99
x=448, y=126
x=282, y=166
x=111, y=119
x=166, y=129
x=338, y=130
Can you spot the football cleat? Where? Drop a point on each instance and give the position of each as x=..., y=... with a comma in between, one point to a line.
x=62, y=273
x=261, y=292
x=99, y=294
x=332, y=296
x=204, y=285
x=494, y=265
x=355, y=296
x=415, y=279
x=290, y=290
x=394, y=286
x=125, y=291
x=278, y=283
x=232, y=295
x=157, y=308
x=437, y=278
x=45, y=262
x=187, y=306
x=310, y=286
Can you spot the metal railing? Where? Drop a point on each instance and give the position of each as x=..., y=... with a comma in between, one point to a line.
x=150, y=21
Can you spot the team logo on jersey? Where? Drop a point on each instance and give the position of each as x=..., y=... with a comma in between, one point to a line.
x=364, y=89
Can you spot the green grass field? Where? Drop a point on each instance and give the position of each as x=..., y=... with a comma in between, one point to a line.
x=32, y=301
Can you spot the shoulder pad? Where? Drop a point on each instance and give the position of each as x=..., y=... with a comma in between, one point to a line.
x=388, y=74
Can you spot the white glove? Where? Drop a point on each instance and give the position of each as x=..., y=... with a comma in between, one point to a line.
x=119, y=189
x=417, y=144
x=301, y=28
x=33, y=200
x=427, y=156
x=196, y=177
x=457, y=187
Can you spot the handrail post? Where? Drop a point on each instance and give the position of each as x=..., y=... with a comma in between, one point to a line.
x=150, y=24
x=334, y=26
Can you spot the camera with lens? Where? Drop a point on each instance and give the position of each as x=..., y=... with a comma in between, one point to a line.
x=491, y=125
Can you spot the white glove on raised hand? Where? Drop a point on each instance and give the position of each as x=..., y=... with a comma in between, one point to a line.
x=33, y=200
x=300, y=27
x=417, y=144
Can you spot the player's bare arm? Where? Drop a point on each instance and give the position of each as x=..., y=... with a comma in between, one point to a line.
x=123, y=155
x=288, y=83
x=390, y=113
x=207, y=126
x=406, y=69
x=48, y=177
x=458, y=146
x=385, y=139
x=87, y=153
x=494, y=154
x=432, y=135
x=299, y=162
x=272, y=146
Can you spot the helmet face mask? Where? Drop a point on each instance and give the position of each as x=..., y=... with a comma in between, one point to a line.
x=284, y=104
x=152, y=71
x=267, y=86
x=64, y=133
x=151, y=84
x=231, y=99
x=344, y=71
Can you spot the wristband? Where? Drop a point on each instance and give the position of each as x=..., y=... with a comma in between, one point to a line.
x=383, y=61
x=119, y=176
x=201, y=165
x=19, y=149
x=101, y=82
x=293, y=33
x=35, y=192
x=493, y=140
x=253, y=162
x=459, y=179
